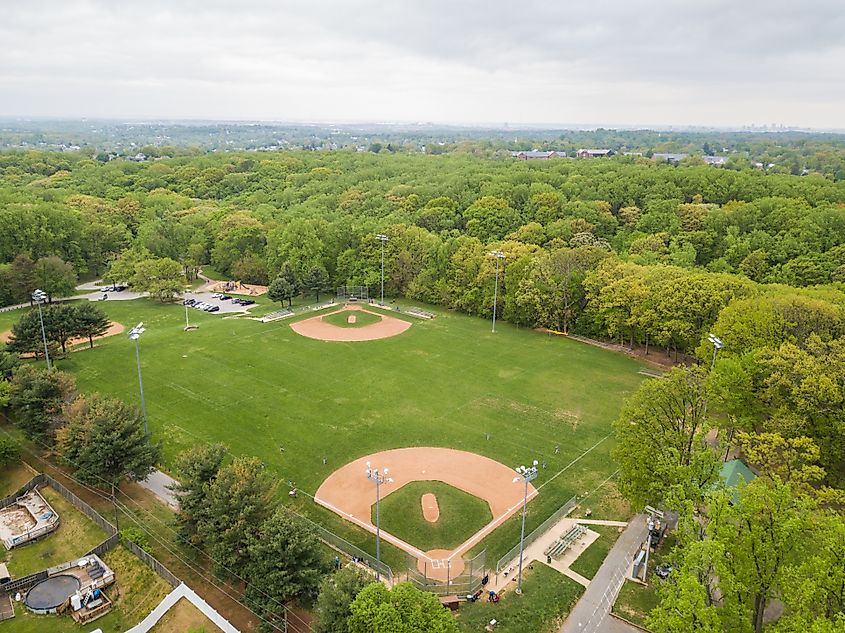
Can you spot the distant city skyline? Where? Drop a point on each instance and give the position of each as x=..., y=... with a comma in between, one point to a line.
x=607, y=63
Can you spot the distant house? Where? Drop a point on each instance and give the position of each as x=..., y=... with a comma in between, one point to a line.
x=715, y=160
x=535, y=155
x=669, y=158
x=594, y=153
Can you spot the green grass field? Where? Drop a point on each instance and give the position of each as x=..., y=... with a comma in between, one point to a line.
x=446, y=382
x=588, y=563
x=341, y=319
x=547, y=597
x=461, y=515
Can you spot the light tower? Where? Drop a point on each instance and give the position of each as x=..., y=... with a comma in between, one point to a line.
x=717, y=345
x=381, y=237
x=499, y=255
x=134, y=335
x=39, y=297
x=378, y=478
x=526, y=475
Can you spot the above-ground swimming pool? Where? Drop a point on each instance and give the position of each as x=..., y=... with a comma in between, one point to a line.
x=48, y=595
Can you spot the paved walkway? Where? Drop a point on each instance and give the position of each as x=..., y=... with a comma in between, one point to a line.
x=535, y=552
x=158, y=483
x=590, y=614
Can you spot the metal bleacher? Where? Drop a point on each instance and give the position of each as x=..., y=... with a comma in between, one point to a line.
x=559, y=547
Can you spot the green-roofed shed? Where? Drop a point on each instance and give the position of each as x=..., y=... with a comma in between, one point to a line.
x=735, y=472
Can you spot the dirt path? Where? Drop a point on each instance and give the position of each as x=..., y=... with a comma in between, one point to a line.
x=114, y=328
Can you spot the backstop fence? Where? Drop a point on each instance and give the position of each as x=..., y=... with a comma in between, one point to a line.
x=353, y=293
x=537, y=532
x=465, y=582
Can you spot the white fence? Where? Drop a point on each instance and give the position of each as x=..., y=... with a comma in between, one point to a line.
x=182, y=591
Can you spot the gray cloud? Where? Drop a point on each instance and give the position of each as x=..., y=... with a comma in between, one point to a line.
x=604, y=61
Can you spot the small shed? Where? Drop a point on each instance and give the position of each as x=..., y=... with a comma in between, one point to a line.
x=734, y=473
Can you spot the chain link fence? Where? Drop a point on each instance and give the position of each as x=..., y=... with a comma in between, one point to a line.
x=352, y=551
x=466, y=582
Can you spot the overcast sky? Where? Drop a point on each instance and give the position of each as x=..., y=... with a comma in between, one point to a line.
x=677, y=62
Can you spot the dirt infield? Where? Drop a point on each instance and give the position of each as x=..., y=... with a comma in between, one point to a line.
x=431, y=511
x=114, y=328
x=348, y=493
x=317, y=328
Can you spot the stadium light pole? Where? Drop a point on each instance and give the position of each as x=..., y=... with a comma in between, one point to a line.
x=134, y=335
x=526, y=475
x=39, y=296
x=381, y=237
x=717, y=345
x=499, y=255
x=378, y=478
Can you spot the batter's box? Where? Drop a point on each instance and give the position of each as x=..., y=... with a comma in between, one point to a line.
x=440, y=564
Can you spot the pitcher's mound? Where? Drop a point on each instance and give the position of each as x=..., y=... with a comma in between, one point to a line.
x=431, y=511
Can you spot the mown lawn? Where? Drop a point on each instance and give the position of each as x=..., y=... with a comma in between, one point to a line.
x=261, y=388
x=461, y=515
x=635, y=602
x=184, y=617
x=547, y=597
x=588, y=563
x=75, y=537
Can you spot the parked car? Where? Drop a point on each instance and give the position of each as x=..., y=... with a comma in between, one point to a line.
x=247, y=302
x=214, y=309
x=189, y=302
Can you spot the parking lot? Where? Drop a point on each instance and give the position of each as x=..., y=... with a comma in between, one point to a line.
x=226, y=305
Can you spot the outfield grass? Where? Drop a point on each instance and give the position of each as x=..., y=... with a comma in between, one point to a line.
x=461, y=515
x=445, y=382
x=547, y=597
x=75, y=537
x=341, y=319
x=136, y=592
x=635, y=602
x=588, y=563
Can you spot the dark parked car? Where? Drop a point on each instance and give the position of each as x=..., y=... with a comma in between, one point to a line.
x=214, y=309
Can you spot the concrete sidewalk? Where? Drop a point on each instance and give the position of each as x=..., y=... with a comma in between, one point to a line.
x=591, y=613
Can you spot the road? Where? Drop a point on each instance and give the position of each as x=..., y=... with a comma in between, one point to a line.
x=158, y=483
x=590, y=614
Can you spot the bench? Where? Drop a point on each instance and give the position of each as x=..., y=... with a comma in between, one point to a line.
x=278, y=314
x=559, y=547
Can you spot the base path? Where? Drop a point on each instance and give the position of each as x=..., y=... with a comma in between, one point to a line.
x=351, y=495
x=317, y=328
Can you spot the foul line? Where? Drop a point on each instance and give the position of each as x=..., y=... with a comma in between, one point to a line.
x=570, y=464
